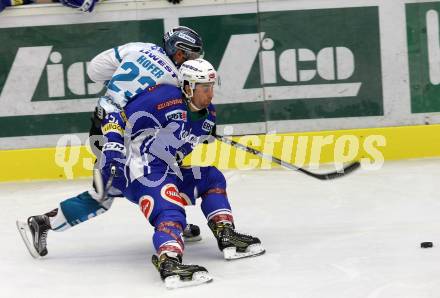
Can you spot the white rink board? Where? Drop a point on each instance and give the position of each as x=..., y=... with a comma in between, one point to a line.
x=355, y=237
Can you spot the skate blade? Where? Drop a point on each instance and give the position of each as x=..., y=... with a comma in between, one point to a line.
x=192, y=239
x=174, y=282
x=254, y=250
x=23, y=228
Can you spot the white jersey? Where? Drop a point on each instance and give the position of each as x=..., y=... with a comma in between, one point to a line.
x=129, y=69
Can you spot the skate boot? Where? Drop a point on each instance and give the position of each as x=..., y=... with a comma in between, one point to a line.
x=37, y=226
x=235, y=245
x=191, y=233
x=178, y=275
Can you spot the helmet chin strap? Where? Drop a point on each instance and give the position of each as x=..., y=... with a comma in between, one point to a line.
x=193, y=105
x=188, y=99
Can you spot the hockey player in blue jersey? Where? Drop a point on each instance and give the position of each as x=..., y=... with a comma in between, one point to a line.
x=128, y=69
x=142, y=145
x=139, y=161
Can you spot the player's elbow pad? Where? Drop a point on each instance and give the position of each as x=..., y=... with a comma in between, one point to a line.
x=93, y=72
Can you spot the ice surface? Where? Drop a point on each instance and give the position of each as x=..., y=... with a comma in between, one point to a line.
x=358, y=236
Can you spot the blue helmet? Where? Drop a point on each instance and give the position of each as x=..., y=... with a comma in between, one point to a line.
x=82, y=5
x=185, y=39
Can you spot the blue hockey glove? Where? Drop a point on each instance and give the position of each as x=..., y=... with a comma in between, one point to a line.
x=113, y=156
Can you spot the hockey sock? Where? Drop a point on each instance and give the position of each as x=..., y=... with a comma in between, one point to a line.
x=167, y=239
x=215, y=206
x=57, y=220
x=78, y=209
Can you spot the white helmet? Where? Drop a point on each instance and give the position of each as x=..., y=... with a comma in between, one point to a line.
x=196, y=71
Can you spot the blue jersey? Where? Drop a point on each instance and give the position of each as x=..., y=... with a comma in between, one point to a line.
x=159, y=129
x=157, y=125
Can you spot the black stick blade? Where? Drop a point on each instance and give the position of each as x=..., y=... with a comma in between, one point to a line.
x=333, y=175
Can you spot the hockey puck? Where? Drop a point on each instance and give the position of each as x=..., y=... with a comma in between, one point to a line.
x=426, y=244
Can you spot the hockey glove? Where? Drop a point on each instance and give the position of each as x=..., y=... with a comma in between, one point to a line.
x=113, y=155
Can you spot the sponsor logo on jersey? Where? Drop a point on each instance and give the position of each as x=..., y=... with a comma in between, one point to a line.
x=169, y=103
x=207, y=125
x=146, y=204
x=177, y=115
x=158, y=59
x=170, y=193
x=112, y=127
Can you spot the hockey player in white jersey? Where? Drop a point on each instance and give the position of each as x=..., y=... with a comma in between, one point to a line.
x=129, y=69
x=126, y=70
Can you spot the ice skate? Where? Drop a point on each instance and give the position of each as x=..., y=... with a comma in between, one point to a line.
x=191, y=233
x=235, y=245
x=37, y=226
x=177, y=275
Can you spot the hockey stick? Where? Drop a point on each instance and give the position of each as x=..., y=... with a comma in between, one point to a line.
x=325, y=176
